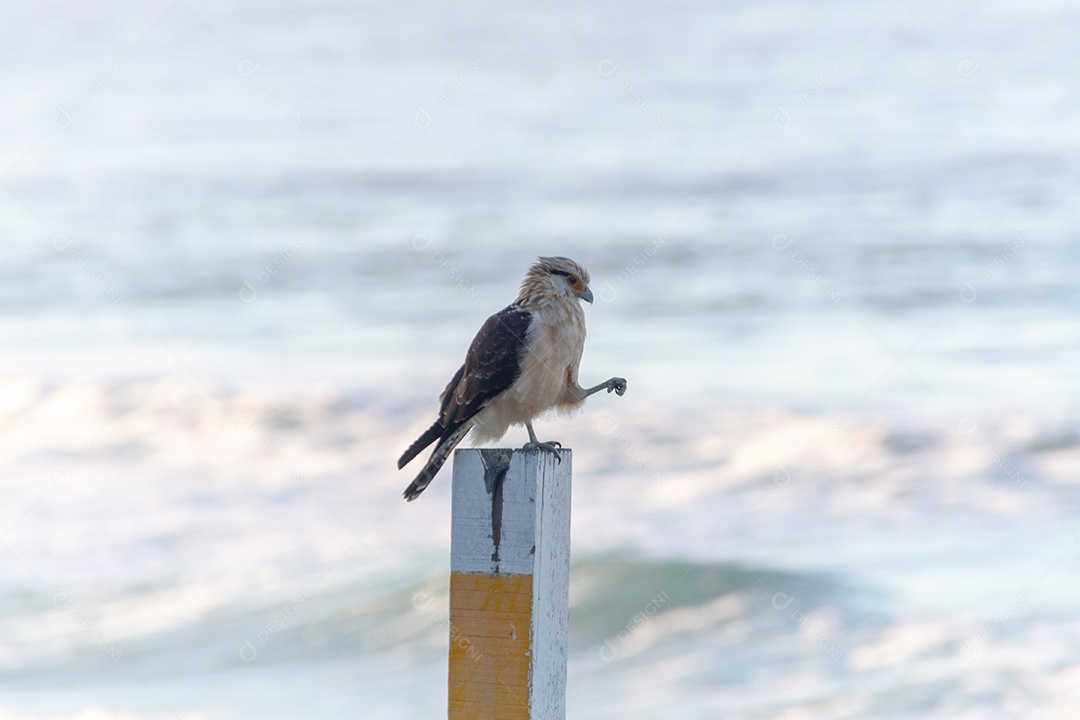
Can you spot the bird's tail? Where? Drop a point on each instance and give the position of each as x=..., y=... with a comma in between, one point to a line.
x=442, y=451
x=430, y=435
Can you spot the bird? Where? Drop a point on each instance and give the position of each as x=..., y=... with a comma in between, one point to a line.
x=522, y=363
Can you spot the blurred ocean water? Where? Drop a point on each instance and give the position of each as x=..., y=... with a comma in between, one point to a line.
x=833, y=250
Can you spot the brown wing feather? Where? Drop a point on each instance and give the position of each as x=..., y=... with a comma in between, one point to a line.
x=491, y=366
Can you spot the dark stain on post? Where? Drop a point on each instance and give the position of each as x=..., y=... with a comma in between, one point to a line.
x=496, y=464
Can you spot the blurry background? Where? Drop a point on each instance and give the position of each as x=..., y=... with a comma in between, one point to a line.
x=244, y=245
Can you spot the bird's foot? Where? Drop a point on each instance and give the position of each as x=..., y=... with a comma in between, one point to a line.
x=551, y=446
x=617, y=385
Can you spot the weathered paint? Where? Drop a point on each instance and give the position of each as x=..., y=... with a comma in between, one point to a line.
x=509, y=586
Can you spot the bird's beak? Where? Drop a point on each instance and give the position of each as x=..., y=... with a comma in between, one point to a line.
x=586, y=295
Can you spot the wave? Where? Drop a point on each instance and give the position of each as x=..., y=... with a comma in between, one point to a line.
x=167, y=532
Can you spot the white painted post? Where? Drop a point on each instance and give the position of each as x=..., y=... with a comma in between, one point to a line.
x=509, y=584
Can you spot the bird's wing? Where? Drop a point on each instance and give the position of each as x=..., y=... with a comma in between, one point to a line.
x=492, y=364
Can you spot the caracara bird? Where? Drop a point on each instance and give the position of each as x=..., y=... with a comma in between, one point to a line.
x=522, y=363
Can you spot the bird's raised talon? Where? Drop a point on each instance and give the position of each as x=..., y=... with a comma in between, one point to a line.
x=618, y=385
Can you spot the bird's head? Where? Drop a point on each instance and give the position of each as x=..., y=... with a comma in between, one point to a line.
x=556, y=278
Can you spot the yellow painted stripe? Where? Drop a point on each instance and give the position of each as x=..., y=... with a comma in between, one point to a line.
x=490, y=645
x=496, y=602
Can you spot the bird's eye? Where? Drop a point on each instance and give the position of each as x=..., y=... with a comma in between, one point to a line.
x=571, y=279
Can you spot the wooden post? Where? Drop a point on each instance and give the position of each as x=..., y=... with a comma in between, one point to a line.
x=509, y=584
